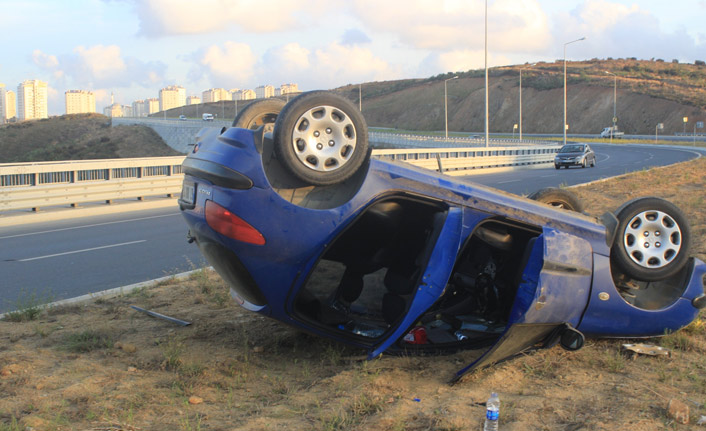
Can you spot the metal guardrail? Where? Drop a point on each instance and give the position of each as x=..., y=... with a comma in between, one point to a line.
x=36, y=185
x=398, y=140
x=459, y=161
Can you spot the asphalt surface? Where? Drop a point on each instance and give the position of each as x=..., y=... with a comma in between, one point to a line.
x=68, y=258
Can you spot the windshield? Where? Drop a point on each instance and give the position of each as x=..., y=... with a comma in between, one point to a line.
x=571, y=149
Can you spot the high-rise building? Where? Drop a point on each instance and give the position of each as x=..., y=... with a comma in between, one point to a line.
x=80, y=102
x=32, y=100
x=139, y=108
x=216, y=95
x=288, y=88
x=171, y=97
x=264, y=91
x=243, y=95
x=193, y=100
x=152, y=105
x=3, y=102
x=11, y=105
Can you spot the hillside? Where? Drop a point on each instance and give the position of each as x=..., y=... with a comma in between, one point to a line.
x=77, y=137
x=648, y=93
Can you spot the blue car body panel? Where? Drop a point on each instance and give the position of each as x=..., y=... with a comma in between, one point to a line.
x=564, y=280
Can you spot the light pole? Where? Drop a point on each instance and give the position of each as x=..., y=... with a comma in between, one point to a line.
x=446, y=108
x=564, y=125
x=521, y=100
x=487, y=143
x=360, y=97
x=615, y=103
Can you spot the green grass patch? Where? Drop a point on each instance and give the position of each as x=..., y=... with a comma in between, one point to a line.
x=87, y=341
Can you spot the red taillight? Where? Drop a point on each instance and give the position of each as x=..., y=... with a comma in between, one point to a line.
x=226, y=223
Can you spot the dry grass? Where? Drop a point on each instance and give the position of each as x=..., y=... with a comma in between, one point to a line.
x=134, y=372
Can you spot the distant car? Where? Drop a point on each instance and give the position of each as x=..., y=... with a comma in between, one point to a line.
x=611, y=132
x=182, y=117
x=575, y=155
x=306, y=228
x=207, y=117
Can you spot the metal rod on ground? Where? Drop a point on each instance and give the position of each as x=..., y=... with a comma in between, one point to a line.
x=162, y=316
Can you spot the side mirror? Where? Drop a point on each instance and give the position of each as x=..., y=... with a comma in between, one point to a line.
x=571, y=339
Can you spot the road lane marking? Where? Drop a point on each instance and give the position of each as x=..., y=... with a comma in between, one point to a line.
x=505, y=182
x=80, y=251
x=88, y=225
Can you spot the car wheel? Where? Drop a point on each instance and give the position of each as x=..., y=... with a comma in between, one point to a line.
x=559, y=198
x=259, y=113
x=653, y=239
x=321, y=138
x=556, y=166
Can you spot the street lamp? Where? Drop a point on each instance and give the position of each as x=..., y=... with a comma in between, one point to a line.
x=446, y=109
x=615, y=103
x=521, y=99
x=487, y=143
x=567, y=43
x=360, y=97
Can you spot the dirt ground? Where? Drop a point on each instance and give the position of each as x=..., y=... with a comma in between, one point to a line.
x=103, y=366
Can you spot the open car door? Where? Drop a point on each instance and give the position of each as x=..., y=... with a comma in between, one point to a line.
x=433, y=280
x=551, y=296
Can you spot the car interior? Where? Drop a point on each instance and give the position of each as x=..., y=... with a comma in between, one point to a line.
x=364, y=283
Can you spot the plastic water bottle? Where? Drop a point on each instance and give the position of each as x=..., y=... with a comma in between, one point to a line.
x=492, y=413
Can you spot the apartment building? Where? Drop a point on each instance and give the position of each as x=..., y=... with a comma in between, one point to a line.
x=264, y=91
x=288, y=88
x=152, y=105
x=139, y=108
x=3, y=103
x=11, y=105
x=216, y=95
x=79, y=102
x=171, y=97
x=193, y=100
x=32, y=100
x=244, y=95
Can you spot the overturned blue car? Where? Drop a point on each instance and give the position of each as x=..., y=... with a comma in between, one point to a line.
x=307, y=228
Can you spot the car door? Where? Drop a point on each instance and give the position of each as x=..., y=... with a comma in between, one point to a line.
x=434, y=278
x=552, y=295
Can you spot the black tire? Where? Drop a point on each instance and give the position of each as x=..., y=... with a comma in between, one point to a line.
x=259, y=113
x=321, y=138
x=652, y=241
x=559, y=198
x=556, y=166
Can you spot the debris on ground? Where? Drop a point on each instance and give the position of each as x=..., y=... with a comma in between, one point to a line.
x=646, y=349
x=678, y=411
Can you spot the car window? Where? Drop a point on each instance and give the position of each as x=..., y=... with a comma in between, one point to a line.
x=571, y=149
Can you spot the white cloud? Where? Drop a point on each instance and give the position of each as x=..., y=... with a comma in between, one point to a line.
x=99, y=66
x=45, y=61
x=225, y=66
x=324, y=67
x=234, y=65
x=447, y=25
x=174, y=17
x=458, y=61
x=101, y=63
x=613, y=29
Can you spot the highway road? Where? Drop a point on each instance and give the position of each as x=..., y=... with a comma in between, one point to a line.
x=69, y=258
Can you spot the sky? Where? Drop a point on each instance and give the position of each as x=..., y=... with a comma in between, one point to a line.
x=132, y=48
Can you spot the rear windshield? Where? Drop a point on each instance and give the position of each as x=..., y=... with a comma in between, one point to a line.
x=571, y=149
